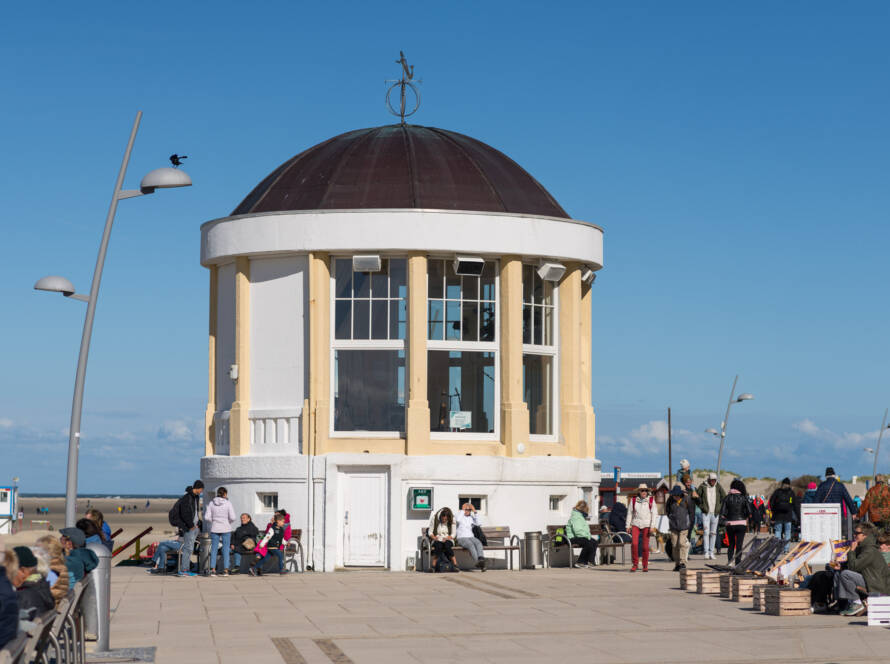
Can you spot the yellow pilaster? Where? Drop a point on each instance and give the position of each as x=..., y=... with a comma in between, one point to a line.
x=573, y=416
x=417, y=417
x=588, y=448
x=209, y=433
x=514, y=411
x=239, y=424
x=319, y=352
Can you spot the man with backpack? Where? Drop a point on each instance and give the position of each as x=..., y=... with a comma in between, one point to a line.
x=185, y=515
x=833, y=491
x=785, y=507
x=641, y=517
x=711, y=496
x=680, y=512
x=876, y=505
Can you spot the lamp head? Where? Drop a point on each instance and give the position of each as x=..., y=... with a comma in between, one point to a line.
x=869, y=450
x=164, y=178
x=747, y=396
x=712, y=431
x=55, y=284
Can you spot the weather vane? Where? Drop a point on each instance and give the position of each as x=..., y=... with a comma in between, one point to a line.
x=403, y=84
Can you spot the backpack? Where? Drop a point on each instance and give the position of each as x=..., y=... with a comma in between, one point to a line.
x=173, y=513
x=559, y=537
x=444, y=566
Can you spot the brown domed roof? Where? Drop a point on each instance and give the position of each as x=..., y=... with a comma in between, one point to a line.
x=401, y=166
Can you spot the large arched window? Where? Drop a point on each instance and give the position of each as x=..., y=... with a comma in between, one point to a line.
x=369, y=323
x=462, y=341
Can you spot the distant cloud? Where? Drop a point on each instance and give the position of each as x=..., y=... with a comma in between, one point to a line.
x=5, y=423
x=180, y=431
x=648, y=439
x=840, y=441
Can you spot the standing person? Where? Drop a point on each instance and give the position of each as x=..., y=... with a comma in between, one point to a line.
x=641, y=517
x=442, y=534
x=785, y=508
x=680, y=513
x=876, y=505
x=578, y=533
x=79, y=560
x=711, y=497
x=832, y=490
x=694, y=499
x=244, y=541
x=809, y=496
x=466, y=520
x=736, y=511
x=185, y=515
x=221, y=516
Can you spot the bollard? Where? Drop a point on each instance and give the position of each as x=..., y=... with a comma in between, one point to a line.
x=97, y=598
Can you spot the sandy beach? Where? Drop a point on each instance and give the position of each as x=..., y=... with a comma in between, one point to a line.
x=133, y=522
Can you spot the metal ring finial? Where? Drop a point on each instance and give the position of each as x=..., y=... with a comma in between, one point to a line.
x=403, y=84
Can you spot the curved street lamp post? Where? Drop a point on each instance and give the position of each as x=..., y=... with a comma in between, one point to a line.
x=745, y=396
x=160, y=178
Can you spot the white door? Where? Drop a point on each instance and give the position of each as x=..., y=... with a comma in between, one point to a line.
x=364, y=519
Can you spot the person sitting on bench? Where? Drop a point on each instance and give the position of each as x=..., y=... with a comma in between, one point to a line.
x=467, y=520
x=442, y=534
x=578, y=533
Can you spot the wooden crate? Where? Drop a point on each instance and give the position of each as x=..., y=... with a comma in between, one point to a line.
x=726, y=586
x=759, y=597
x=879, y=611
x=784, y=601
x=687, y=579
x=743, y=587
x=707, y=583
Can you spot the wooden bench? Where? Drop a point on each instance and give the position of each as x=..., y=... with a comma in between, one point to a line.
x=608, y=541
x=499, y=539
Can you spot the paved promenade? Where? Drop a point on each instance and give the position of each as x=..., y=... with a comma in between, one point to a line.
x=602, y=615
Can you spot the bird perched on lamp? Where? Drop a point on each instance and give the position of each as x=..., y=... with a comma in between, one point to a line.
x=176, y=159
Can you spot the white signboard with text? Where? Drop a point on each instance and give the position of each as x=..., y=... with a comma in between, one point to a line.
x=460, y=419
x=820, y=522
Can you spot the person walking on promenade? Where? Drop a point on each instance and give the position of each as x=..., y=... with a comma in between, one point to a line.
x=680, y=513
x=641, y=518
x=221, y=516
x=809, y=496
x=711, y=497
x=785, y=507
x=876, y=505
x=736, y=511
x=578, y=533
x=185, y=515
x=466, y=520
x=832, y=490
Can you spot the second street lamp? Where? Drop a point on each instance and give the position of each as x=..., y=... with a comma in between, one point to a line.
x=745, y=396
x=161, y=178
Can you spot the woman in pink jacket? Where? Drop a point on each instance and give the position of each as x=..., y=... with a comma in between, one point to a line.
x=220, y=515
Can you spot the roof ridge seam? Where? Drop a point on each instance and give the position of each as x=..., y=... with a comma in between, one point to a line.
x=412, y=171
x=346, y=154
x=488, y=182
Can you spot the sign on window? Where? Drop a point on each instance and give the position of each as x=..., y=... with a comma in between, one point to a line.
x=460, y=419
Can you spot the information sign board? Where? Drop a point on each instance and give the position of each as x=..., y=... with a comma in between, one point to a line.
x=820, y=522
x=460, y=419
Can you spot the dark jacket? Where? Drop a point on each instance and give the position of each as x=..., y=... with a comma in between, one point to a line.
x=9, y=610
x=80, y=562
x=680, y=514
x=703, y=498
x=34, y=597
x=736, y=507
x=182, y=514
x=809, y=496
x=618, y=517
x=868, y=561
x=242, y=533
x=784, y=505
x=833, y=491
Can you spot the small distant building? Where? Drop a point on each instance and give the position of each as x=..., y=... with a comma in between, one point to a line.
x=8, y=509
x=611, y=492
x=400, y=320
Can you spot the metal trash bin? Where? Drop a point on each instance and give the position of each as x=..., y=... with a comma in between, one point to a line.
x=532, y=550
x=97, y=598
x=204, y=553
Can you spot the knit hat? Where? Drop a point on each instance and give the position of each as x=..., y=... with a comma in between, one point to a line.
x=829, y=471
x=26, y=556
x=811, y=485
x=786, y=480
x=76, y=535
x=677, y=491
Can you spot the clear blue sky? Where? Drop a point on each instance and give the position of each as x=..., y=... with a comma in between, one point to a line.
x=736, y=155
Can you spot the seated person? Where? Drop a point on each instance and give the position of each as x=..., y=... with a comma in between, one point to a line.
x=578, y=533
x=92, y=532
x=442, y=534
x=465, y=537
x=618, y=521
x=79, y=560
x=273, y=541
x=9, y=604
x=164, y=547
x=53, y=549
x=104, y=529
x=866, y=569
x=244, y=541
x=32, y=589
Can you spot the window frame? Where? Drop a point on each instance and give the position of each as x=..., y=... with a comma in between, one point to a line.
x=551, y=351
x=459, y=346
x=362, y=344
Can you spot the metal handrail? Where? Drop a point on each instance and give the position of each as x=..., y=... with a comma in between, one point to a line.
x=134, y=539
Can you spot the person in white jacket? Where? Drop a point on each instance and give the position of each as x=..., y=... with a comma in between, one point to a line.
x=221, y=516
x=641, y=518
